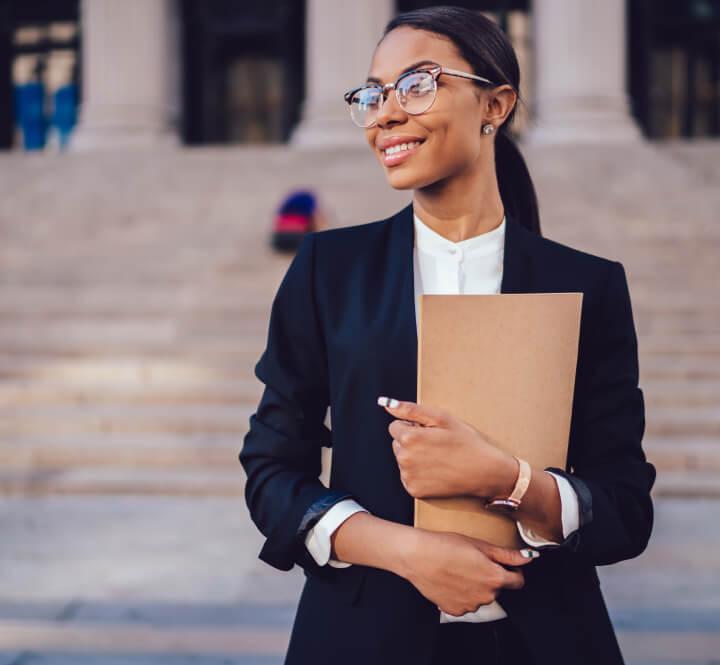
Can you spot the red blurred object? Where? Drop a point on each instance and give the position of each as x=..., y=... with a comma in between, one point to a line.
x=292, y=223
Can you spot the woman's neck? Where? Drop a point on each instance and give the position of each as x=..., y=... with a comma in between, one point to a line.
x=461, y=207
x=457, y=223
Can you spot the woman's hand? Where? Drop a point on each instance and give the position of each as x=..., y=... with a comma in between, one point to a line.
x=458, y=573
x=441, y=455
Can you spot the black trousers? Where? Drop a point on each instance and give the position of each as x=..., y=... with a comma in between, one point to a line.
x=487, y=643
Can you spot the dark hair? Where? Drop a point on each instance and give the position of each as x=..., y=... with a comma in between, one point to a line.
x=486, y=47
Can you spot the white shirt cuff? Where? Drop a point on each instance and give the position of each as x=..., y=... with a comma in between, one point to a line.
x=569, y=514
x=317, y=539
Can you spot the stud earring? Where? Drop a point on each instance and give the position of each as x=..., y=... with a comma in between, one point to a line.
x=488, y=129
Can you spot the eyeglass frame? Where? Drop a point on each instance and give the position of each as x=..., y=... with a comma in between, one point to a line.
x=435, y=70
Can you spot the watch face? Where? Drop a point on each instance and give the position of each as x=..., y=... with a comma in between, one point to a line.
x=503, y=504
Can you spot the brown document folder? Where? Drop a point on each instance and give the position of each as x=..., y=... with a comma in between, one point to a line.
x=505, y=363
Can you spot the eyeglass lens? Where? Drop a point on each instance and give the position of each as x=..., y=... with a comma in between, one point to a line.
x=415, y=94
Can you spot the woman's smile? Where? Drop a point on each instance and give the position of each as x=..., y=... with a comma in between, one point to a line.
x=399, y=153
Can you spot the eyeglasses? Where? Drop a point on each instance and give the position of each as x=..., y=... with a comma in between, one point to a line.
x=415, y=91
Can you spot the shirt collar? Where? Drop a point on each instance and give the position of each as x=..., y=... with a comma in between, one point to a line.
x=430, y=241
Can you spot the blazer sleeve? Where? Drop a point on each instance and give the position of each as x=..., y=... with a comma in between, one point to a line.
x=281, y=452
x=608, y=467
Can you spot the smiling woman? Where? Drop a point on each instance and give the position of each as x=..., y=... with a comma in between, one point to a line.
x=469, y=71
x=441, y=92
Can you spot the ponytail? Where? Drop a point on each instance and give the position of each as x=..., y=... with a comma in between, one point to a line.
x=516, y=186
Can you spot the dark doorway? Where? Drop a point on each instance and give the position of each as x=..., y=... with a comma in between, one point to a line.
x=674, y=66
x=243, y=70
x=42, y=16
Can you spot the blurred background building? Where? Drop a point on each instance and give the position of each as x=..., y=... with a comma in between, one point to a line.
x=223, y=71
x=146, y=148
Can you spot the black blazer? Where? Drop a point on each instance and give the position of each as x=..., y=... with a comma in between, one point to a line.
x=342, y=331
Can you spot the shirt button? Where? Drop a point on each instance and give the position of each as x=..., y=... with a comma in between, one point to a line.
x=453, y=250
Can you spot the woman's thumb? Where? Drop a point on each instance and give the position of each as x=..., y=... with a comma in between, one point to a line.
x=512, y=557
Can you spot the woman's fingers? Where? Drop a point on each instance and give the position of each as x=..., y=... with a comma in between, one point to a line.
x=419, y=413
x=507, y=555
x=459, y=574
x=512, y=579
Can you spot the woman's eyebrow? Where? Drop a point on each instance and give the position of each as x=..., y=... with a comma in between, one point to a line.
x=372, y=79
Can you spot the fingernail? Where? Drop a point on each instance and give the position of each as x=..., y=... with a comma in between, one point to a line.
x=530, y=554
x=388, y=401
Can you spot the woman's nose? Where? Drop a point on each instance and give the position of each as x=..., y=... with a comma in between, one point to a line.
x=390, y=110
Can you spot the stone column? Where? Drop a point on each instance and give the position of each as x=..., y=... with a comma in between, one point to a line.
x=340, y=38
x=130, y=72
x=580, y=73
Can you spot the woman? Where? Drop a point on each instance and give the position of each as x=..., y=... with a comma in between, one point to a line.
x=343, y=333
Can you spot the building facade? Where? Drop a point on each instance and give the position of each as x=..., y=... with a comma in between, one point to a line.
x=193, y=72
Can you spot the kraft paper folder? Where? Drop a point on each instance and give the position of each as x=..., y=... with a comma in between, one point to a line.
x=505, y=363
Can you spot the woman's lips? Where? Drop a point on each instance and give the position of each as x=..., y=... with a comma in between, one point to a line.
x=399, y=157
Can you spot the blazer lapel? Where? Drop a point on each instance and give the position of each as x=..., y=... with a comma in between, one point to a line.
x=517, y=274
x=395, y=281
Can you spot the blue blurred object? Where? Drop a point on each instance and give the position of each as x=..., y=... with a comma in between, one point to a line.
x=64, y=115
x=300, y=202
x=30, y=106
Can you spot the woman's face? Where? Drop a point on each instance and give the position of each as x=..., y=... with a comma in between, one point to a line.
x=450, y=130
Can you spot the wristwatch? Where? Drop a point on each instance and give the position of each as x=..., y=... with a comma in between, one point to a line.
x=513, y=501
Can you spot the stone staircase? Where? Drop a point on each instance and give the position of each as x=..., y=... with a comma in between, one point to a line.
x=136, y=287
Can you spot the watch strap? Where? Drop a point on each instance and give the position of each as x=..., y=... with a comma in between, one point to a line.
x=522, y=483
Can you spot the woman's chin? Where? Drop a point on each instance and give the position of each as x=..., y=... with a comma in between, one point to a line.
x=402, y=179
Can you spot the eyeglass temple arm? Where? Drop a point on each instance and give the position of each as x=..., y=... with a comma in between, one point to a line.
x=455, y=72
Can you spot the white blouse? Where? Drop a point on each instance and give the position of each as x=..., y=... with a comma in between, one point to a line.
x=472, y=266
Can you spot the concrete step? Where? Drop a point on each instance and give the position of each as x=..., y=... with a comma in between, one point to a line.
x=108, y=328
x=229, y=481
x=187, y=419
x=59, y=317
x=19, y=353
x=680, y=346
x=683, y=453
x=162, y=450
x=69, y=306
x=209, y=449
x=666, y=357
x=220, y=392
x=254, y=313
x=61, y=643
x=680, y=392
x=195, y=406
x=187, y=643
x=41, y=297
x=687, y=484
x=108, y=374
x=201, y=482
x=222, y=378
x=692, y=422
x=687, y=368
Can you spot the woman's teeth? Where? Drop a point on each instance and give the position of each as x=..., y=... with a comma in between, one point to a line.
x=392, y=150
